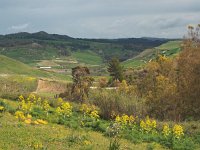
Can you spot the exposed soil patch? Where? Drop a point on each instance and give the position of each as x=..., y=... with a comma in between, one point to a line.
x=45, y=85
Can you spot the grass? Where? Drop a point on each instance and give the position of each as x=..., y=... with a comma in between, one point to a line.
x=11, y=66
x=170, y=45
x=133, y=63
x=169, y=49
x=16, y=135
x=87, y=57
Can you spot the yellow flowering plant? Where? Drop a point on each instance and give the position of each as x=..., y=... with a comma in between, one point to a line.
x=46, y=106
x=40, y=121
x=26, y=104
x=94, y=114
x=64, y=110
x=21, y=98
x=178, y=131
x=90, y=114
x=20, y=115
x=2, y=108
x=166, y=131
x=148, y=125
x=32, y=98
x=125, y=120
x=90, y=111
x=85, y=109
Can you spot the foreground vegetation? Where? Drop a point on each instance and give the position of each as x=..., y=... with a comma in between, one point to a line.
x=72, y=126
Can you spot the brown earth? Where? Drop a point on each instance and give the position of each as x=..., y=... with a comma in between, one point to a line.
x=45, y=85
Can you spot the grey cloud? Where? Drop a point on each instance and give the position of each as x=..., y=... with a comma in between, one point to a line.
x=100, y=18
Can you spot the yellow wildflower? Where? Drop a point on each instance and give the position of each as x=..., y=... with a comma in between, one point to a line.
x=131, y=119
x=27, y=121
x=166, y=130
x=29, y=116
x=153, y=124
x=20, y=115
x=142, y=125
x=40, y=121
x=35, y=122
x=148, y=125
x=85, y=109
x=1, y=108
x=21, y=98
x=94, y=114
x=46, y=105
x=124, y=119
x=59, y=101
x=178, y=131
x=118, y=119
x=65, y=109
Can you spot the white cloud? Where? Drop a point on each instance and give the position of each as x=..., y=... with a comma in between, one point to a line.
x=19, y=27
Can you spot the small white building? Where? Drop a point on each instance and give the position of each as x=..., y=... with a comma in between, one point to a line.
x=47, y=67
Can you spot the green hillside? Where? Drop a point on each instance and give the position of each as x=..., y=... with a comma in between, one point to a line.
x=10, y=66
x=169, y=49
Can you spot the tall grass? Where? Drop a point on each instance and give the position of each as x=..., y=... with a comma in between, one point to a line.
x=112, y=102
x=13, y=86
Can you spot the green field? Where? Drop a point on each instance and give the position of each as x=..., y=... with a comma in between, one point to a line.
x=87, y=57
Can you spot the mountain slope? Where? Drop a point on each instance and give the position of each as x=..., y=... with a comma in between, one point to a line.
x=169, y=49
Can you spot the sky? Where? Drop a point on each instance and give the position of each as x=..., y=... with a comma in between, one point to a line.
x=100, y=18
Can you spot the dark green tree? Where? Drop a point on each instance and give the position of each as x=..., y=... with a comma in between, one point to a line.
x=115, y=69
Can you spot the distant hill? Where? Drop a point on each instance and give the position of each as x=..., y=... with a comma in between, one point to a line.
x=31, y=47
x=38, y=35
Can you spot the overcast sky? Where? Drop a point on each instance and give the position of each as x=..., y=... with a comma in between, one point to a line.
x=100, y=18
